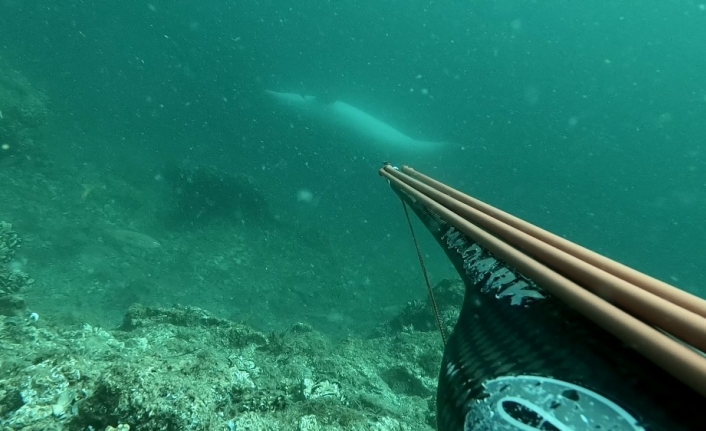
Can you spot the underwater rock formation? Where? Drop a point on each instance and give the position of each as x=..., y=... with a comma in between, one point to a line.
x=13, y=281
x=183, y=369
x=418, y=315
x=23, y=111
x=208, y=193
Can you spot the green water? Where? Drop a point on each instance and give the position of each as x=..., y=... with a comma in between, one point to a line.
x=586, y=118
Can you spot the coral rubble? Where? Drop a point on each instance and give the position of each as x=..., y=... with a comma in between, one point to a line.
x=183, y=369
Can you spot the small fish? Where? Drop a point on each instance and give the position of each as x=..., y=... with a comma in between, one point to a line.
x=134, y=239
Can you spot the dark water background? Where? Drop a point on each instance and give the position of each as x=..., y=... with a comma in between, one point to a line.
x=587, y=118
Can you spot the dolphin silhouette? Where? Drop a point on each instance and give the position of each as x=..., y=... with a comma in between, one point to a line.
x=353, y=120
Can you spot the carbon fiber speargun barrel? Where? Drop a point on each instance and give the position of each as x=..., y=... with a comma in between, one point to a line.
x=520, y=359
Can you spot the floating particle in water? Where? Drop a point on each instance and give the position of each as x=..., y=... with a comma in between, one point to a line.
x=304, y=195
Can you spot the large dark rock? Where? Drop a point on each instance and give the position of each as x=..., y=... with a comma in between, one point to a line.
x=207, y=193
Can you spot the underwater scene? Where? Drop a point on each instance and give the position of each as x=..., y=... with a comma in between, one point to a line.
x=194, y=234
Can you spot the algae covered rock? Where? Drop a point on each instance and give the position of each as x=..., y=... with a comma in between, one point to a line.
x=9, y=242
